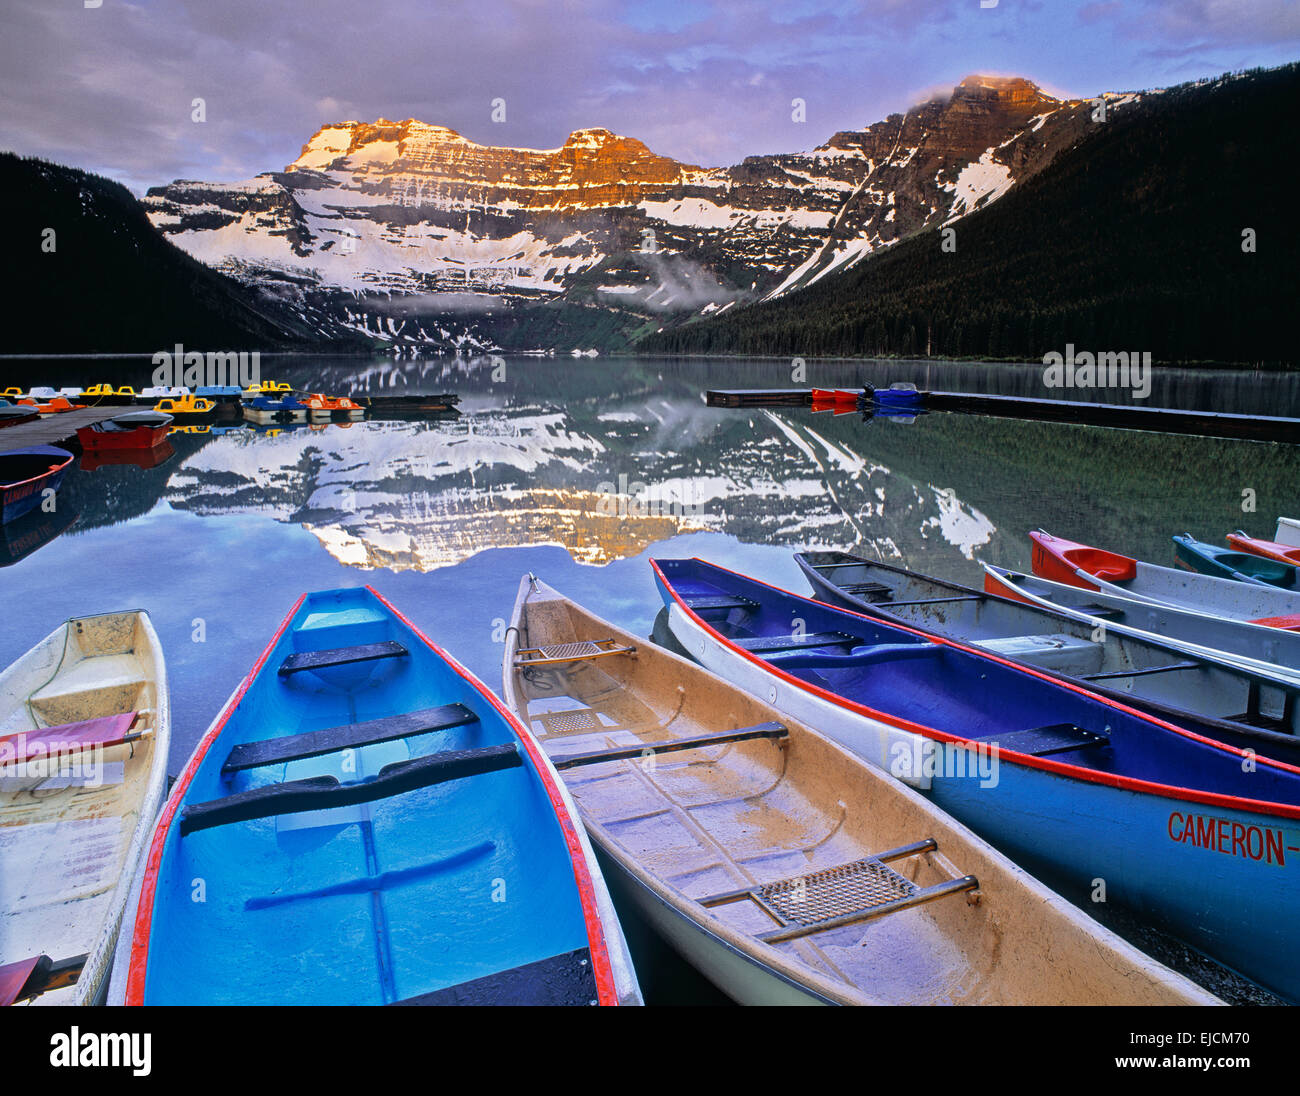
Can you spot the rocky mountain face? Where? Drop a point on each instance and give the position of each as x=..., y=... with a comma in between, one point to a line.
x=411, y=234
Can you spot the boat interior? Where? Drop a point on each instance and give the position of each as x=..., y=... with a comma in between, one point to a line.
x=78, y=716
x=1133, y=670
x=361, y=783
x=697, y=790
x=936, y=686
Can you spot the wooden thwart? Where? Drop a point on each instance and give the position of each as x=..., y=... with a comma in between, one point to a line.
x=695, y=742
x=848, y=894
x=340, y=656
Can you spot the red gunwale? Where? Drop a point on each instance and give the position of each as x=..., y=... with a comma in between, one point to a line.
x=144, y=909
x=1091, y=776
x=7, y=487
x=1267, y=549
x=601, y=967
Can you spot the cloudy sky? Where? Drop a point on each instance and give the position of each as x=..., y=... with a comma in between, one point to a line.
x=111, y=87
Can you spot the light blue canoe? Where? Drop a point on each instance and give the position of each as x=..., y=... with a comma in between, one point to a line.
x=364, y=823
x=1199, y=837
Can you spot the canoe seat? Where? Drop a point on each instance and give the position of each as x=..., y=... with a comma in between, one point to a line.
x=104, y=732
x=296, y=747
x=724, y=602
x=319, y=793
x=560, y=653
x=694, y=742
x=848, y=894
x=795, y=642
x=1103, y=611
x=869, y=655
x=340, y=656
x=868, y=591
x=1054, y=738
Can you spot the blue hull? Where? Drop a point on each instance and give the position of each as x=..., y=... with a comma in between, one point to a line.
x=1192, y=834
x=25, y=476
x=471, y=888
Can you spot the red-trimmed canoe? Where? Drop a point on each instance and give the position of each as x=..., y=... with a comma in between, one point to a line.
x=1074, y=564
x=1269, y=549
x=370, y=826
x=1197, y=836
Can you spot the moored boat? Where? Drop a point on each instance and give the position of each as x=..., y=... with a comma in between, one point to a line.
x=132, y=430
x=1209, y=694
x=1232, y=563
x=265, y=410
x=1192, y=834
x=105, y=395
x=14, y=415
x=84, y=735
x=187, y=409
x=901, y=395
x=1074, y=564
x=1270, y=549
x=371, y=827
x=1256, y=647
x=55, y=405
x=320, y=406
x=780, y=865
x=25, y=476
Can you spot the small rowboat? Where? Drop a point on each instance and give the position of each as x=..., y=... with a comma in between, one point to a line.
x=132, y=430
x=13, y=415
x=1209, y=695
x=84, y=734
x=370, y=827
x=55, y=405
x=25, y=476
x=1269, y=549
x=1200, y=838
x=781, y=866
x=1288, y=532
x=1065, y=561
x=1233, y=563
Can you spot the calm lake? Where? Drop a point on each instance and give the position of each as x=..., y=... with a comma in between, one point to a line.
x=580, y=471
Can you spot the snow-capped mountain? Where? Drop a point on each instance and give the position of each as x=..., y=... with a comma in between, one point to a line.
x=411, y=233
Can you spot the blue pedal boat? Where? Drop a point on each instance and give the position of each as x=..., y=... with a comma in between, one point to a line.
x=364, y=823
x=1198, y=836
x=25, y=476
x=1209, y=559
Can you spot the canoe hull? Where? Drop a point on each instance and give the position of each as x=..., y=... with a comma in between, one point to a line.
x=1080, y=831
x=27, y=488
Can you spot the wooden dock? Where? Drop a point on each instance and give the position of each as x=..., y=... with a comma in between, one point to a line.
x=58, y=429
x=1167, y=420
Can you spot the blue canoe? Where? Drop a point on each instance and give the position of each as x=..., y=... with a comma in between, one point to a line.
x=1210, y=559
x=25, y=476
x=1198, y=836
x=364, y=823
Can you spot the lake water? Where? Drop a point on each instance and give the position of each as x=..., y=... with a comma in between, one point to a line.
x=580, y=471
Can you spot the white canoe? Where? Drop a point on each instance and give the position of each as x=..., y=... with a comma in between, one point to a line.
x=1288, y=532
x=1071, y=563
x=1271, y=652
x=84, y=735
x=715, y=810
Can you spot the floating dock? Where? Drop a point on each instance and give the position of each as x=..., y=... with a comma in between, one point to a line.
x=60, y=429
x=1167, y=420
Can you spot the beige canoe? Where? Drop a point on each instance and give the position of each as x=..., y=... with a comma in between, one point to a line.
x=760, y=859
x=84, y=734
